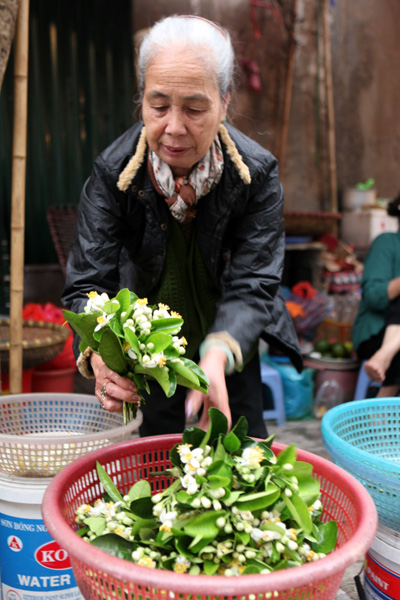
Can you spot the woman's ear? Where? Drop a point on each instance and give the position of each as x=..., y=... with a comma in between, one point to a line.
x=225, y=104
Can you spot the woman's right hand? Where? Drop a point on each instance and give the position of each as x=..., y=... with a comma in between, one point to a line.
x=112, y=389
x=213, y=364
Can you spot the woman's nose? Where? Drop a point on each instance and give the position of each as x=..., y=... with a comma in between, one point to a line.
x=175, y=124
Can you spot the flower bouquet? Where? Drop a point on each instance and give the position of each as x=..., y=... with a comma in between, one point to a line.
x=232, y=508
x=137, y=341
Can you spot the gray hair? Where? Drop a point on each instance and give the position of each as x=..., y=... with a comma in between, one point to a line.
x=197, y=33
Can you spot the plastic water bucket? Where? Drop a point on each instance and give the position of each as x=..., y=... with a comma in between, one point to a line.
x=32, y=564
x=382, y=566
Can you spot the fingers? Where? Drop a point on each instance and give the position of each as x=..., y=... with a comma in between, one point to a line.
x=112, y=389
x=194, y=401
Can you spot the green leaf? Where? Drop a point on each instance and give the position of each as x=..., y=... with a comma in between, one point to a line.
x=218, y=423
x=115, y=545
x=142, y=507
x=327, y=537
x=132, y=340
x=182, y=546
x=183, y=497
x=204, y=524
x=194, y=367
x=301, y=468
x=219, y=474
x=146, y=533
x=96, y=524
x=255, y=566
x=83, y=325
x=168, y=325
x=309, y=488
x=161, y=375
x=220, y=452
x=194, y=436
x=189, y=384
x=231, y=497
x=174, y=456
x=231, y=442
x=288, y=455
x=299, y=512
x=240, y=428
x=110, y=350
x=258, y=500
x=115, y=326
x=140, y=489
x=184, y=372
x=242, y=537
x=124, y=300
x=108, y=484
x=160, y=340
x=82, y=531
x=140, y=524
x=210, y=567
x=194, y=570
x=112, y=306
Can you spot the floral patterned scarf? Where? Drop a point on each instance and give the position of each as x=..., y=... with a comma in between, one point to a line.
x=183, y=193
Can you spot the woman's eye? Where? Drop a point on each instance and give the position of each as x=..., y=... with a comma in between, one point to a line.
x=160, y=108
x=195, y=111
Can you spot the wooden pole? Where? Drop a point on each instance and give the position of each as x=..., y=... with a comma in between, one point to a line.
x=330, y=109
x=288, y=95
x=18, y=196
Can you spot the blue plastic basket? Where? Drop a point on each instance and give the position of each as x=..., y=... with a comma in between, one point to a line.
x=363, y=437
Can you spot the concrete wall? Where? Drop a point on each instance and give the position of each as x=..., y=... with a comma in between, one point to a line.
x=365, y=66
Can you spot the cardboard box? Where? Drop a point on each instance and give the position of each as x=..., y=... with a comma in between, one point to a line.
x=359, y=228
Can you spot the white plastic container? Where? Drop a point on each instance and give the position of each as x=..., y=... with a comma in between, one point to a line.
x=360, y=228
x=382, y=566
x=32, y=564
x=355, y=199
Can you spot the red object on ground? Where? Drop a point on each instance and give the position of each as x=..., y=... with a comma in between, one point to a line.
x=52, y=314
x=304, y=289
x=26, y=382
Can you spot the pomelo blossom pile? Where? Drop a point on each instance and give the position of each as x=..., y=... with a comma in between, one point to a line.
x=232, y=508
x=138, y=341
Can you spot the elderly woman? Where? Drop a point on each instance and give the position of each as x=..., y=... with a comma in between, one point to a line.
x=187, y=211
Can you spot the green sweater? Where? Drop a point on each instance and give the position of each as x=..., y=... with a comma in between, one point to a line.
x=381, y=265
x=187, y=288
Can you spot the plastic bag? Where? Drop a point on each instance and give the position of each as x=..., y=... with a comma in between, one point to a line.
x=298, y=389
x=313, y=312
x=330, y=394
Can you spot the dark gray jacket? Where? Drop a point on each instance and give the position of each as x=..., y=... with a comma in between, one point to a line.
x=121, y=238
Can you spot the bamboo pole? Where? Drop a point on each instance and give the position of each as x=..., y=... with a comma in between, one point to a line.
x=18, y=196
x=288, y=94
x=330, y=109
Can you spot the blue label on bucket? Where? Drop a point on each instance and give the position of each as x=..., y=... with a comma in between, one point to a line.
x=33, y=566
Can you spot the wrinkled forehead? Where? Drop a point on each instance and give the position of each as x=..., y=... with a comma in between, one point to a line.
x=200, y=58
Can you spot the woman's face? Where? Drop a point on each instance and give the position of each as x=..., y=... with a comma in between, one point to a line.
x=182, y=108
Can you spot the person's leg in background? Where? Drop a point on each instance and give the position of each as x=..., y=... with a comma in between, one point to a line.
x=379, y=362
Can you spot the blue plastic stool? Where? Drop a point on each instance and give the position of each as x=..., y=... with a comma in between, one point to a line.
x=272, y=378
x=364, y=381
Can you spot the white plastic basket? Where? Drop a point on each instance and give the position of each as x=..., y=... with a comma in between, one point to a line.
x=42, y=433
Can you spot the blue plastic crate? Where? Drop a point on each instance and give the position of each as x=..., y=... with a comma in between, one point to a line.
x=363, y=437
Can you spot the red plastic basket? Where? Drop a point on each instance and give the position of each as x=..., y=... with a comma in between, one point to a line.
x=104, y=577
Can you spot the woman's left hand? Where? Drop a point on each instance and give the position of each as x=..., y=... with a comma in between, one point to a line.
x=111, y=389
x=213, y=364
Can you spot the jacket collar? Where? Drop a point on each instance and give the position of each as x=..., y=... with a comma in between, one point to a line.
x=128, y=174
